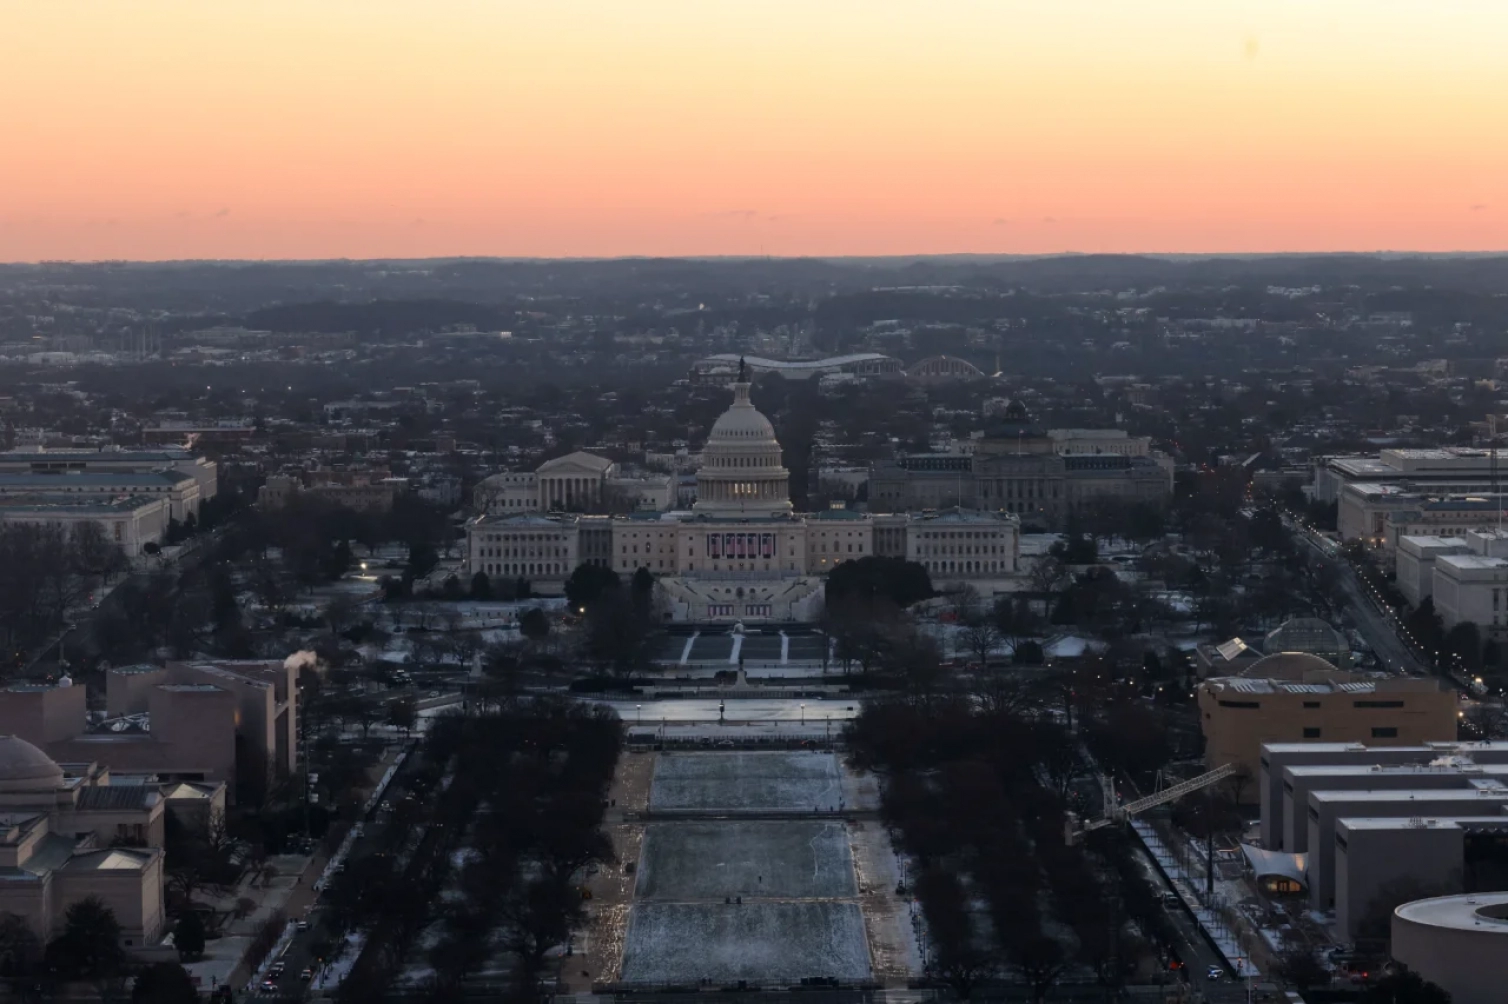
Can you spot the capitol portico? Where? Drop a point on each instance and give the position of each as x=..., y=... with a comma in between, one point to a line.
x=740, y=553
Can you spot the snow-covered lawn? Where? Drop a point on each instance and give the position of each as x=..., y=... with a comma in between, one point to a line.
x=763, y=942
x=749, y=781
x=714, y=860
x=338, y=968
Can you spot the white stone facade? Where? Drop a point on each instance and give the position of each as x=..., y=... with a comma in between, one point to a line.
x=739, y=553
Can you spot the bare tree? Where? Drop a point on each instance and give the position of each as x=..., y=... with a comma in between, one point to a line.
x=981, y=639
x=1048, y=574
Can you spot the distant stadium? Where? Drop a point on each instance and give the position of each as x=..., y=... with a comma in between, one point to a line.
x=725, y=364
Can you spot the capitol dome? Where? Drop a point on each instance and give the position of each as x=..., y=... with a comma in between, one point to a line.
x=741, y=470
x=24, y=768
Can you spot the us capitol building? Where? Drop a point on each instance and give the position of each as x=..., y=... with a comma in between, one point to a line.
x=740, y=553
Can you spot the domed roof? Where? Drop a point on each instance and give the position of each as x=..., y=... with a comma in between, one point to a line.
x=1305, y=634
x=1292, y=666
x=742, y=424
x=23, y=767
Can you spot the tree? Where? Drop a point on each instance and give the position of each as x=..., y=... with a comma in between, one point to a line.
x=588, y=584
x=422, y=559
x=88, y=947
x=1297, y=965
x=536, y=918
x=188, y=935
x=958, y=959
x=1464, y=642
x=1076, y=550
x=164, y=983
x=642, y=585
x=1405, y=987
x=20, y=949
x=534, y=625
x=96, y=554
x=1048, y=574
x=617, y=634
x=1016, y=620
x=870, y=578
x=1040, y=960
x=981, y=639
x=481, y=587
x=403, y=714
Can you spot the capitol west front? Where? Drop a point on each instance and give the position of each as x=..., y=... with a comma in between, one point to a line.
x=740, y=553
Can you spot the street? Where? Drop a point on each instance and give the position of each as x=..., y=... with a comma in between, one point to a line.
x=300, y=953
x=1377, y=629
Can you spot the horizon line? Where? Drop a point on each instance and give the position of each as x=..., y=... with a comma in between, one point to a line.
x=919, y=256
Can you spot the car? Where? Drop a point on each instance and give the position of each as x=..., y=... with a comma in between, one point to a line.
x=306, y=975
x=268, y=987
x=277, y=968
x=302, y=925
x=1214, y=974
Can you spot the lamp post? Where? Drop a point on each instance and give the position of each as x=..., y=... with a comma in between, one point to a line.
x=803, y=712
x=639, y=709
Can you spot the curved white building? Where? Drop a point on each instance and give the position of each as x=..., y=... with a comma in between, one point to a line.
x=1457, y=942
x=723, y=365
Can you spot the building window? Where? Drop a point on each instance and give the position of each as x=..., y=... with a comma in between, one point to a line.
x=1311, y=704
x=1379, y=704
x=1384, y=732
x=1240, y=704
x=1311, y=732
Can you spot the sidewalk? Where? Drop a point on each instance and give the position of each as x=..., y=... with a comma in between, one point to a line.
x=225, y=957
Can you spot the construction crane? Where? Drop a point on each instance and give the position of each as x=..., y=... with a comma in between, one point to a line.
x=1116, y=812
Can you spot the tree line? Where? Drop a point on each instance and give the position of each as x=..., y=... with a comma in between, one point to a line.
x=531, y=822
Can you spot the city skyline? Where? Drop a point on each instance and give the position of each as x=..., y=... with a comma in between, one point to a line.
x=161, y=129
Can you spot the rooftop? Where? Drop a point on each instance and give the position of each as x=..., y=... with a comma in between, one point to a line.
x=1418, y=823
x=47, y=502
x=85, y=479
x=1486, y=912
x=1470, y=562
x=1428, y=795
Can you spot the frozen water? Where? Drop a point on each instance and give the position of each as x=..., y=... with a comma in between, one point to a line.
x=755, y=859
x=760, y=942
x=748, y=781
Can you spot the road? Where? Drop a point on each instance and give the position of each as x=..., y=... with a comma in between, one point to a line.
x=1375, y=627
x=300, y=952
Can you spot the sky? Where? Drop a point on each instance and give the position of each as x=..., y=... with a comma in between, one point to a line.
x=163, y=129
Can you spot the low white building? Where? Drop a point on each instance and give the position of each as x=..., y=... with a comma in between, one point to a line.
x=178, y=489
x=576, y=482
x=1471, y=588
x=541, y=549
x=1416, y=564
x=131, y=521
x=204, y=471
x=1440, y=517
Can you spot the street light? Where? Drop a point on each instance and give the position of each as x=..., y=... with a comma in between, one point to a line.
x=640, y=709
x=803, y=713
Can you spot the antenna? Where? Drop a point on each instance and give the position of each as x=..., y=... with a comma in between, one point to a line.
x=1492, y=466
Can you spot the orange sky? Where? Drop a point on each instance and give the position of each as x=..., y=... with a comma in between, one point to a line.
x=377, y=128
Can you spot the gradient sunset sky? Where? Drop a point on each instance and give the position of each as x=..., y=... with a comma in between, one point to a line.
x=154, y=129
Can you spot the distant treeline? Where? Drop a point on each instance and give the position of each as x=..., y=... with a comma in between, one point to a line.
x=394, y=318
